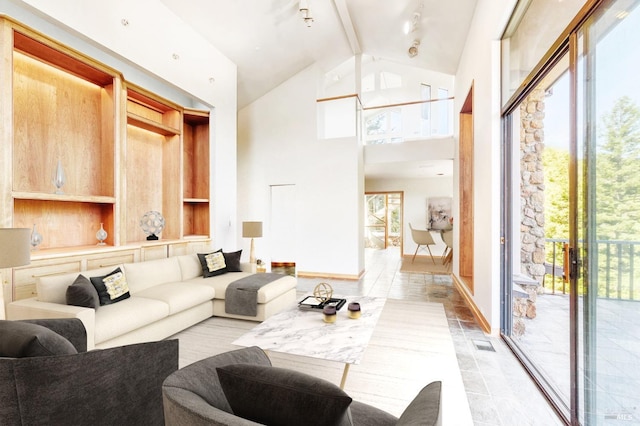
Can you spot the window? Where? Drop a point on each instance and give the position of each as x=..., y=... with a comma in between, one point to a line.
x=384, y=127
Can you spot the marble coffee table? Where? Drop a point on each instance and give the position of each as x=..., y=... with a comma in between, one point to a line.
x=301, y=332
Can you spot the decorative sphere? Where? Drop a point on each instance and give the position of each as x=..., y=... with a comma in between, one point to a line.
x=152, y=223
x=323, y=292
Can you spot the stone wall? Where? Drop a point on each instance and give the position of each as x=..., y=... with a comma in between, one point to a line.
x=532, y=235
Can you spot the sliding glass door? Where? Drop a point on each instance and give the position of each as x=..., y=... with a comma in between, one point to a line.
x=540, y=305
x=607, y=78
x=571, y=219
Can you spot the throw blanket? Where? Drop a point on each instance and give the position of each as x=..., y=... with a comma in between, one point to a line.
x=241, y=296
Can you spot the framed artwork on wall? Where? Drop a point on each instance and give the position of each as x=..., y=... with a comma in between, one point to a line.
x=439, y=213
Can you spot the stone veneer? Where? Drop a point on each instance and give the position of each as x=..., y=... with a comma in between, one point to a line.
x=532, y=250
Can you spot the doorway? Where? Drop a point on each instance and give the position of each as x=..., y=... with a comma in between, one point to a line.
x=383, y=220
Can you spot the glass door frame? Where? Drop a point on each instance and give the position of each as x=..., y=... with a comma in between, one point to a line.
x=566, y=412
x=567, y=43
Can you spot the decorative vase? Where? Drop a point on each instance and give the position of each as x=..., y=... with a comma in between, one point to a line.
x=59, y=178
x=101, y=235
x=36, y=238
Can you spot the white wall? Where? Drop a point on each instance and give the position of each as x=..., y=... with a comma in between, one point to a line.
x=143, y=51
x=277, y=144
x=416, y=195
x=480, y=67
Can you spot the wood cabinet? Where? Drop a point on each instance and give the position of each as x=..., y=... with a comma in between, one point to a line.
x=124, y=151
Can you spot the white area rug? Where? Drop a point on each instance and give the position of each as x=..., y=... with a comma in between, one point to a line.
x=410, y=347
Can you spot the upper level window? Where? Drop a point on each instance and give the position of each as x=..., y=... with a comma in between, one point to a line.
x=384, y=127
x=389, y=80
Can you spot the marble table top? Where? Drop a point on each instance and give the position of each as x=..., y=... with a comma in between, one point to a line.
x=302, y=332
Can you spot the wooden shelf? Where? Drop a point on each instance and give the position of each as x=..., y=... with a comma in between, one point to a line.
x=63, y=197
x=196, y=237
x=196, y=200
x=150, y=125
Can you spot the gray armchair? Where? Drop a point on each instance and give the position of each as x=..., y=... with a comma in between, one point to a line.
x=48, y=378
x=241, y=388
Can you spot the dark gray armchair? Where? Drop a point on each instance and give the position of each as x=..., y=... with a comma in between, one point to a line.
x=241, y=388
x=48, y=378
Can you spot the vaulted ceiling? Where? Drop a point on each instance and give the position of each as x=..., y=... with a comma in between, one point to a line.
x=269, y=41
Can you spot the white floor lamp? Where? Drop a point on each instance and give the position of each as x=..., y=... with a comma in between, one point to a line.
x=252, y=230
x=14, y=251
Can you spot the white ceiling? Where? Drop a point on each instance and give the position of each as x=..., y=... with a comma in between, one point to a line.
x=269, y=42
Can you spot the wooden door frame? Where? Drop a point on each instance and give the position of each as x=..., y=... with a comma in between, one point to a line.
x=466, y=192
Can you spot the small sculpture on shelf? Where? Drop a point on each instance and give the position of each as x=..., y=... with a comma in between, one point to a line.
x=101, y=235
x=36, y=238
x=59, y=178
x=152, y=223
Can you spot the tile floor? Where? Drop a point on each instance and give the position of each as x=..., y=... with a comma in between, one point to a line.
x=498, y=390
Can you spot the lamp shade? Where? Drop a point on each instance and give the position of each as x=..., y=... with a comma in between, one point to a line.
x=252, y=229
x=14, y=247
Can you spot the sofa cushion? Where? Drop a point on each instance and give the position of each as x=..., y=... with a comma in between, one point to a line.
x=190, y=266
x=142, y=275
x=83, y=293
x=22, y=339
x=232, y=260
x=279, y=396
x=112, y=288
x=212, y=263
x=179, y=296
x=130, y=314
x=53, y=288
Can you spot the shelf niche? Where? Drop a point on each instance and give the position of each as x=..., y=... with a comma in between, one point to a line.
x=196, y=173
x=153, y=169
x=63, y=111
x=59, y=116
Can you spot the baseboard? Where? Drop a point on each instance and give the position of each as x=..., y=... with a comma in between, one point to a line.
x=462, y=289
x=307, y=274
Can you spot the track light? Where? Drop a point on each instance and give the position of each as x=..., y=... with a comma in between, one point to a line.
x=413, y=50
x=305, y=12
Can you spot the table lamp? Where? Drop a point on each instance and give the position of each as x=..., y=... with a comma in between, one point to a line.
x=15, y=247
x=252, y=230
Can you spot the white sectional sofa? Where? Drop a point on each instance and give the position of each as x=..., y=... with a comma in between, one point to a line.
x=166, y=296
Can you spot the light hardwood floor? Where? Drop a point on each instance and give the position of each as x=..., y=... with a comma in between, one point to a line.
x=497, y=389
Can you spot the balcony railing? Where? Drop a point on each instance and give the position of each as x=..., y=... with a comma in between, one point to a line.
x=618, y=271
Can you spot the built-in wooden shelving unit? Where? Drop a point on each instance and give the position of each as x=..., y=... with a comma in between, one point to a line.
x=123, y=149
